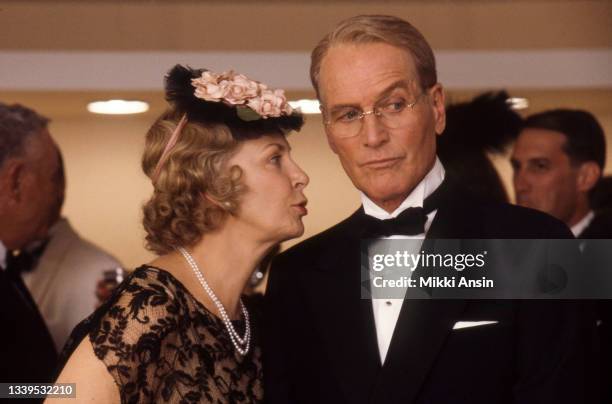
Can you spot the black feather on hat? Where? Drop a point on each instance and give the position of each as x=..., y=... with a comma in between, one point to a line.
x=486, y=123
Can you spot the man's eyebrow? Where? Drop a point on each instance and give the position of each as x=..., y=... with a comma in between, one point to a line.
x=538, y=160
x=403, y=84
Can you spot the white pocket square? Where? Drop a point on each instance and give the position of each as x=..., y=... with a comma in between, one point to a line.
x=467, y=324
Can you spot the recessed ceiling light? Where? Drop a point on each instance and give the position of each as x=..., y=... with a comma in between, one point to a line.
x=306, y=106
x=117, y=107
x=518, y=103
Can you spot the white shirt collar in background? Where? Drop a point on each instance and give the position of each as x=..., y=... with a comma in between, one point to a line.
x=583, y=223
x=2, y=256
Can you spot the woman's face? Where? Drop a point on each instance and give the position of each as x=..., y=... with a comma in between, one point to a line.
x=274, y=203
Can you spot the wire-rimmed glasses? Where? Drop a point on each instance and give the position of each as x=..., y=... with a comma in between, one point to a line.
x=392, y=112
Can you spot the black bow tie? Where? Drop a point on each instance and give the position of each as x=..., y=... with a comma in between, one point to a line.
x=410, y=222
x=24, y=261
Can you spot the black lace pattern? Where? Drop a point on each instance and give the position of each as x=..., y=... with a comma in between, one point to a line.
x=163, y=346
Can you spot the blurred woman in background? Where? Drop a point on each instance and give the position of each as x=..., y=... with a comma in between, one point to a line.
x=484, y=126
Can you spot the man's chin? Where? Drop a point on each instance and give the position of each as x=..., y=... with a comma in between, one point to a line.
x=529, y=205
x=387, y=191
x=386, y=198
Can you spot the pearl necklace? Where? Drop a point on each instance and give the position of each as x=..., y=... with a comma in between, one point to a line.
x=241, y=344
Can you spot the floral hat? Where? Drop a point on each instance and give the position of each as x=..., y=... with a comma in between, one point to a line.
x=238, y=90
x=224, y=97
x=248, y=107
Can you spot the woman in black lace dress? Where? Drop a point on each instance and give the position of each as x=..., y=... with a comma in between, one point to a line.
x=226, y=191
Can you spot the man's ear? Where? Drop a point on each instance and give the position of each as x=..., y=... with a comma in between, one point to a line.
x=439, y=108
x=12, y=178
x=588, y=175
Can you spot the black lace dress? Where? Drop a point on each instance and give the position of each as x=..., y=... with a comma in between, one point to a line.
x=162, y=346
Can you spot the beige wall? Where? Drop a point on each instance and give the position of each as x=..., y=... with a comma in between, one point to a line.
x=295, y=24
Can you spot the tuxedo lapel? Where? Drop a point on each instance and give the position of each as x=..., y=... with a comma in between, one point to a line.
x=455, y=217
x=344, y=319
x=420, y=333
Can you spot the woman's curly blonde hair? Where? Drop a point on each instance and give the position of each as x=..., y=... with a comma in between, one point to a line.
x=195, y=189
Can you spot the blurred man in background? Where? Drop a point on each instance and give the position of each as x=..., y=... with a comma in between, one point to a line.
x=63, y=280
x=29, y=163
x=558, y=158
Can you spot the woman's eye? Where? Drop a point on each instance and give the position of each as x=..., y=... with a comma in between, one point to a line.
x=276, y=159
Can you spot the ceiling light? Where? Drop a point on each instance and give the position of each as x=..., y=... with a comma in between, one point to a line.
x=518, y=103
x=117, y=107
x=306, y=106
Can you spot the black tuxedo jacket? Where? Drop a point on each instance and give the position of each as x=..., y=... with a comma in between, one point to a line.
x=601, y=228
x=27, y=352
x=320, y=340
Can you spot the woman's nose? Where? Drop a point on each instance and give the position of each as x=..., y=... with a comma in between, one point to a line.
x=300, y=179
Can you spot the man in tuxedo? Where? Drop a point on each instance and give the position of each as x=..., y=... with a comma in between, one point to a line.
x=29, y=165
x=558, y=160
x=382, y=108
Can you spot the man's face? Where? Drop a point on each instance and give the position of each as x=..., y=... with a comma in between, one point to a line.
x=544, y=178
x=385, y=164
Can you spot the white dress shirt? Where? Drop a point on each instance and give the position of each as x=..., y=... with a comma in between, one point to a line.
x=386, y=311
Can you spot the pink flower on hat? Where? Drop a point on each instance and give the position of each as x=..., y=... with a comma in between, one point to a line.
x=240, y=89
x=237, y=89
x=270, y=103
x=209, y=87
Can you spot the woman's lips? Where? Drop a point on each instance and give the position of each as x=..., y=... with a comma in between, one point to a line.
x=301, y=208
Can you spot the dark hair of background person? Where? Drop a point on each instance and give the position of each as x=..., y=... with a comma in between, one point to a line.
x=487, y=124
x=17, y=124
x=585, y=137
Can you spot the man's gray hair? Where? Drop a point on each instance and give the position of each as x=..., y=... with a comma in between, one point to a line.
x=364, y=29
x=17, y=124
